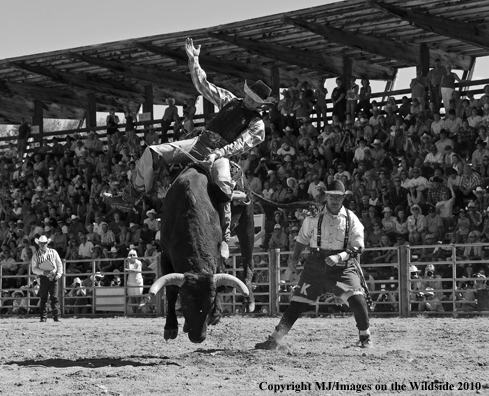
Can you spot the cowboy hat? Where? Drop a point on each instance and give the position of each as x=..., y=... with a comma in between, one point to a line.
x=291, y=182
x=336, y=187
x=413, y=268
x=42, y=239
x=152, y=211
x=258, y=91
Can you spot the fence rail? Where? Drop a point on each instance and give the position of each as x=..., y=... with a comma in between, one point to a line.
x=394, y=289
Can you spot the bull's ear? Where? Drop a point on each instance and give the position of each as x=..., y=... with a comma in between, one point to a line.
x=167, y=280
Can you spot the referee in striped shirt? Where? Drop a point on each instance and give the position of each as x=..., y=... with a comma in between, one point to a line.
x=49, y=278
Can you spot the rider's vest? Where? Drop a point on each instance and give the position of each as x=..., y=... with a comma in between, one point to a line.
x=232, y=120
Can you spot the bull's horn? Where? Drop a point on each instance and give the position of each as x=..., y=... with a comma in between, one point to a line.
x=173, y=279
x=229, y=280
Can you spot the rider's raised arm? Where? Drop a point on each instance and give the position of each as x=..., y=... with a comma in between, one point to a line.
x=218, y=96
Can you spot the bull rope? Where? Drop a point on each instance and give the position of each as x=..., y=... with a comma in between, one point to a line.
x=188, y=155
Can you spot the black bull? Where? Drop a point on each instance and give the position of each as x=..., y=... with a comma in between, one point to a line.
x=190, y=237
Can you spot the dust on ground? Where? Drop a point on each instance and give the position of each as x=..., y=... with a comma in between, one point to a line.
x=128, y=356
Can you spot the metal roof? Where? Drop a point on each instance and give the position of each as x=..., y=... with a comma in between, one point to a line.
x=308, y=44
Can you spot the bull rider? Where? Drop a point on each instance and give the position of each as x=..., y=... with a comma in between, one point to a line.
x=235, y=129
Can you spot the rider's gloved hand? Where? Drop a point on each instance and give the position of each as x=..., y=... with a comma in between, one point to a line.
x=210, y=159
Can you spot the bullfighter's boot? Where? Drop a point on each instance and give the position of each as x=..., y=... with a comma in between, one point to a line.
x=293, y=312
x=360, y=312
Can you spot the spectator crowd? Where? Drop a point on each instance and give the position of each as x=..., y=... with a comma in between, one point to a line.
x=416, y=172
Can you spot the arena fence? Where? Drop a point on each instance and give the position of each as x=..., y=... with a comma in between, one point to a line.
x=92, y=287
x=438, y=288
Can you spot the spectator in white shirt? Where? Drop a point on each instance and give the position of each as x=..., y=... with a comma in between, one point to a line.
x=437, y=124
x=85, y=247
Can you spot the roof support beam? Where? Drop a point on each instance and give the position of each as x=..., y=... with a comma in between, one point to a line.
x=64, y=97
x=231, y=68
x=118, y=89
x=20, y=107
x=391, y=49
x=308, y=60
x=466, y=32
x=155, y=76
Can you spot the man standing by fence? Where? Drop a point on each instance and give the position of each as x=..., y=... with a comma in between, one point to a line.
x=335, y=237
x=47, y=264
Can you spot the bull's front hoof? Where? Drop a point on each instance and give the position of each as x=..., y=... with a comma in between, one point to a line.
x=186, y=327
x=249, y=305
x=170, y=334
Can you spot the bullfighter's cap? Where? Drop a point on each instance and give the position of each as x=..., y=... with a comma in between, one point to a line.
x=336, y=187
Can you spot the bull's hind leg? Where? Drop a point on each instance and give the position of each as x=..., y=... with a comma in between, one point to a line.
x=245, y=232
x=171, y=326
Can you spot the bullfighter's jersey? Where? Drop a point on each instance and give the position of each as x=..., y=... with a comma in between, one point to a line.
x=252, y=136
x=333, y=230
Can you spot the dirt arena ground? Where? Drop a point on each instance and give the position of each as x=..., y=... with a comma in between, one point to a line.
x=128, y=356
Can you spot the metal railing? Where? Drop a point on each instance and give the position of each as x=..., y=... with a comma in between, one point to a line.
x=393, y=288
x=80, y=292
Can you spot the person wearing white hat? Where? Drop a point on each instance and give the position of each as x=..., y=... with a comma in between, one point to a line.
x=134, y=279
x=235, y=129
x=151, y=221
x=334, y=237
x=377, y=152
x=107, y=236
x=47, y=264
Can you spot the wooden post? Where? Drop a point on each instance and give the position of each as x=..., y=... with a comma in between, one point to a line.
x=148, y=102
x=347, y=71
x=91, y=111
x=38, y=120
x=274, y=280
x=275, y=82
x=425, y=59
x=404, y=283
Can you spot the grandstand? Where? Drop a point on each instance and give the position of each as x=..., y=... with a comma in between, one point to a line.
x=419, y=151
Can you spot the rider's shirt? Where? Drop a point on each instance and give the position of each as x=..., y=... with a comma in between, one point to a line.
x=251, y=136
